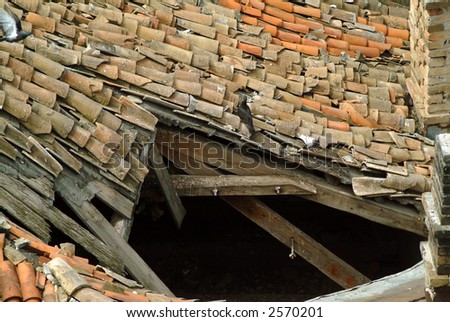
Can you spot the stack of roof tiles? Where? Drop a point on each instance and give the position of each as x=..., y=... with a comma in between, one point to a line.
x=430, y=79
x=75, y=96
x=32, y=271
x=437, y=207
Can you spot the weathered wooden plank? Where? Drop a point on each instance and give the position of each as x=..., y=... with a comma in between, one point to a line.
x=137, y=267
x=61, y=221
x=22, y=213
x=405, y=286
x=232, y=185
x=172, y=199
x=328, y=263
x=114, y=199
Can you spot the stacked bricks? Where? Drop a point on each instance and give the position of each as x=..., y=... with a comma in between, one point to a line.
x=429, y=85
x=437, y=207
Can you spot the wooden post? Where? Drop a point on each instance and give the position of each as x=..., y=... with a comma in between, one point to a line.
x=173, y=201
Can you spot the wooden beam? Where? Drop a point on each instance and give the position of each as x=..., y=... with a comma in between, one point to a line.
x=405, y=286
x=172, y=199
x=194, y=151
x=233, y=185
x=137, y=267
x=328, y=263
x=61, y=221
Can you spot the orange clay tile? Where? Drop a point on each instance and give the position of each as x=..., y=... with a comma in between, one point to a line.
x=380, y=45
x=392, y=95
x=137, y=297
x=9, y=282
x=394, y=41
x=366, y=51
x=341, y=126
x=278, y=42
x=250, y=49
x=2, y=244
x=310, y=103
x=361, y=20
x=41, y=278
x=286, y=44
x=41, y=248
x=337, y=51
x=249, y=20
x=20, y=232
x=289, y=36
x=308, y=50
x=231, y=4
x=308, y=11
x=336, y=43
x=354, y=40
x=310, y=42
x=379, y=27
x=333, y=32
x=356, y=117
x=49, y=294
x=399, y=33
x=102, y=276
x=271, y=29
x=79, y=265
x=27, y=279
x=251, y=11
x=254, y=3
x=271, y=19
x=335, y=112
x=283, y=5
x=311, y=24
x=303, y=29
x=177, y=42
x=283, y=15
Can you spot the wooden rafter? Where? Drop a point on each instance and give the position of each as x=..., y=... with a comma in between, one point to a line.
x=305, y=246
x=233, y=185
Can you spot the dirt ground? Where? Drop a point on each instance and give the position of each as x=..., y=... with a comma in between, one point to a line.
x=220, y=255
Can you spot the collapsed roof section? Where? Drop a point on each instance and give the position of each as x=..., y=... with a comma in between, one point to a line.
x=81, y=101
